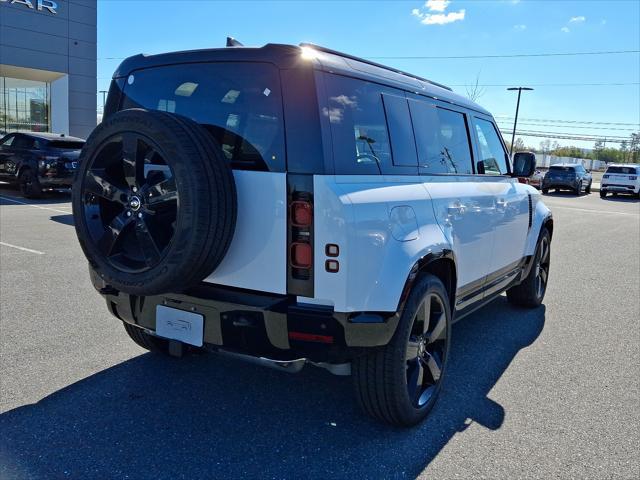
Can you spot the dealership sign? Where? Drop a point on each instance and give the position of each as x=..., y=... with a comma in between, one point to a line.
x=36, y=4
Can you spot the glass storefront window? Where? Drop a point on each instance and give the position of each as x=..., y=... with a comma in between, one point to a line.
x=24, y=105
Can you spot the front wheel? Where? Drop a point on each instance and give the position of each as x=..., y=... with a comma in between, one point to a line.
x=545, y=191
x=399, y=383
x=29, y=184
x=588, y=190
x=603, y=194
x=579, y=189
x=530, y=292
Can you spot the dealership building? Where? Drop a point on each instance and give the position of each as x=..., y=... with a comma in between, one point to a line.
x=48, y=66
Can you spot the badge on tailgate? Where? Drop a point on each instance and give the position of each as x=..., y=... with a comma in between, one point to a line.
x=179, y=325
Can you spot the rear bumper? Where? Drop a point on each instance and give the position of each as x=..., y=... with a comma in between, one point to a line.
x=557, y=183
x=259, y=324
x=612, y=187
x=53, y=179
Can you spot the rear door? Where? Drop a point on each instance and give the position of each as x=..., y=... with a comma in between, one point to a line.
x=511, y=201
x=462, y=203
x=6, y=151
x=240, y=105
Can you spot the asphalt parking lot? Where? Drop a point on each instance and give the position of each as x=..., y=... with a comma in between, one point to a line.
x=548, y=393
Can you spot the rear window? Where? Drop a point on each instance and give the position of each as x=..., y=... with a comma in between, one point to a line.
x=239, y=103
x=561, y=169
x=623, y=170
x=65, y=145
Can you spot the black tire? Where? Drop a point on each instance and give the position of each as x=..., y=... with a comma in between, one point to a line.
x=382, y=376
x=579, y=189
x=203, y=195
x=545, y=191
x=530, y=293
x=29, y=184
x=145, y=340
x=603, y=194
x=588, y=189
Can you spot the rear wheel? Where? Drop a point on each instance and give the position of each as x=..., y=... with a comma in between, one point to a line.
x=603, y=194
x=579, y=189
x=29, y=184
x=588, y=189
x=399, y=383
x=530, y=292
x=545, y=190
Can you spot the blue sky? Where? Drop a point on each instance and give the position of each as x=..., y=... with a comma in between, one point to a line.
x=426, y=28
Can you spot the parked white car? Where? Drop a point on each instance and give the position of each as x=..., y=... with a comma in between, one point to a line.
x=621, y=178
x=293, y=205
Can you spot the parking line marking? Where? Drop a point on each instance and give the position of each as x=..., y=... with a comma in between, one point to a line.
x=604, y=212
x=22, y=248
x=34, y=206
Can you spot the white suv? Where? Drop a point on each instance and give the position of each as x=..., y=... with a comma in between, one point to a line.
x=623, y=178
x=293, y=205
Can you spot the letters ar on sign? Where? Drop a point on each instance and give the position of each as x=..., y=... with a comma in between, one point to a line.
x=40, y=5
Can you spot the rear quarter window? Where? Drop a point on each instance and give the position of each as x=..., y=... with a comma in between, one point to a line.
x=239, y=103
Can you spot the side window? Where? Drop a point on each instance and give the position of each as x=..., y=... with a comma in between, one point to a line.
x=442, y=139
x=8, y=141
x=22, y=141
x=358, y=126
x=493, y=158
x=403, y=146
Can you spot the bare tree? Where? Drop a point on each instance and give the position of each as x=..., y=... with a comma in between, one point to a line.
x=475, y=91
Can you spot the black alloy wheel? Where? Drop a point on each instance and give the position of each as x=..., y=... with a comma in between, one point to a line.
x=542, y=260
x=426, y=350
x=130, y=202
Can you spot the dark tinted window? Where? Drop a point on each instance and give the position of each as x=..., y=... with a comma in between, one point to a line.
x=403, y=146
x=623, y=170
x=442, y=139
x=561, y=169
x=239, y=103
x=358, y=126
x=65, y=144
x=8, y=140
x=493, y=158
x=22, y=141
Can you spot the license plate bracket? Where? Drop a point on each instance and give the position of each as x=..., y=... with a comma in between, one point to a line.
x=176, y=324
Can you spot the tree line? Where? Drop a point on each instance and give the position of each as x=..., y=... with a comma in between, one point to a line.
x=627, y=152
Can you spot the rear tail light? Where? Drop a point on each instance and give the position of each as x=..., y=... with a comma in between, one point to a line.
x=301, y=255
x=300, y=235
x=301, y=214
x=523, y=180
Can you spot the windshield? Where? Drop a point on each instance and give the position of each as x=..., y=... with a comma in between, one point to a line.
x=239, y=103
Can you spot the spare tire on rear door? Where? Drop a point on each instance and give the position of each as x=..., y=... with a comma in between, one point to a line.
x=154, y=202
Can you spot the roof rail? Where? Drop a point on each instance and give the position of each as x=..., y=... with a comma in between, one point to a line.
x=375, y=64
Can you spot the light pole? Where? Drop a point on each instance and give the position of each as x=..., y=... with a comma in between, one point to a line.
x=515, y=122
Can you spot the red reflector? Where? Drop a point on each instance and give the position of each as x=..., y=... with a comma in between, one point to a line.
x=301, y=255
x=301, y=214
x=310, y=337
x=523, y=180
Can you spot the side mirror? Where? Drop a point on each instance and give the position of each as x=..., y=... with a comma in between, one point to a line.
x=524, y=164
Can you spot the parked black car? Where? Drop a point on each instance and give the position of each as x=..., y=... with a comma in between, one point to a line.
x=37, y=161
x=567, y=176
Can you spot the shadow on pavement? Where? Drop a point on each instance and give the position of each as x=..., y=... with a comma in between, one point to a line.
x=63, y=219
x=621, y=198
x=205, y=416
x=49, y=197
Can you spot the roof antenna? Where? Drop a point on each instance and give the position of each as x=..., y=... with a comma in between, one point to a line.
x=232, y=42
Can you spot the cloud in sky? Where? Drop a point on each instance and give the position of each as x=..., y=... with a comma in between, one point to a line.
x=565, y=29
x=427, y=17
x=520, y=27
x=437, y=5
x=578, y=19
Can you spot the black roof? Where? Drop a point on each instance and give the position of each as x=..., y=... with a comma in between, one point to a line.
x=291, y=56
